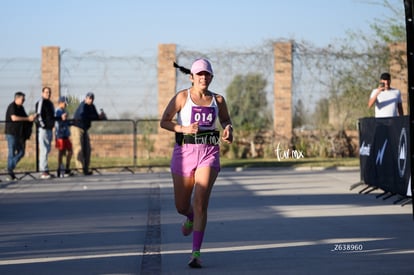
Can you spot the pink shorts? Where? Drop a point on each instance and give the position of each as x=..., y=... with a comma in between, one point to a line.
x=188, y=157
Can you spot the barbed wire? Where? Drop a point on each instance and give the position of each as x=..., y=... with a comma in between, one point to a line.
x=126, y=86
x=19, y=74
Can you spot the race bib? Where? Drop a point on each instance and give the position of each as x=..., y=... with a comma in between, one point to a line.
x=205, y=116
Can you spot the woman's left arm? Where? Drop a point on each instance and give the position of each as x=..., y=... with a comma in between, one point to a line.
x=225, y=119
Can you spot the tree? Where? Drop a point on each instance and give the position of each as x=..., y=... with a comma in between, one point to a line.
x=321, y=114
x=390, y=29
x=354, y=65
x=357, y=81
x=248, y=108
x=73, y=103
x=299, y=117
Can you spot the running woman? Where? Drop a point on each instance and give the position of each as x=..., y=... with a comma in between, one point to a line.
x=195, y=162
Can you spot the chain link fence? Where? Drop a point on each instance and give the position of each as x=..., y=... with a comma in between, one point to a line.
x=126, y=86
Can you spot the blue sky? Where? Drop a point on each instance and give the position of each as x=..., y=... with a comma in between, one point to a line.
x=134, y=27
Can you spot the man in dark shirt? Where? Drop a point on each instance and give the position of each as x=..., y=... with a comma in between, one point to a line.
x=46, y=122
x=85, y=113
x=18, y=129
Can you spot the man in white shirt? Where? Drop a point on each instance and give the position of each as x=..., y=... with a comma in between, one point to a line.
x=387, y=100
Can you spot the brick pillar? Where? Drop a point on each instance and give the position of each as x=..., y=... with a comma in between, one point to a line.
x=398, y=71
x=283, y=92
x=51, y=71
x=167, y=78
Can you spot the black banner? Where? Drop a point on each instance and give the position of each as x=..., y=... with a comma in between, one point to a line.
x=384, y=153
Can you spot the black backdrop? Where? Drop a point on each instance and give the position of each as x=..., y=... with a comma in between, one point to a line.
x=384, y=153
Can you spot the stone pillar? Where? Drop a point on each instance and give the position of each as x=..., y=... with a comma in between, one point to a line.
x=167, y=78
x=51, y=71
x=398, y=71
x=283, y=75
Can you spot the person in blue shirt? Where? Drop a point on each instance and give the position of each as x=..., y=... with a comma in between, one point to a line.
x=82, y=120
x=62, y=138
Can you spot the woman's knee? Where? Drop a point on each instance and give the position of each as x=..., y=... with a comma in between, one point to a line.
x=182, y=209
x=200, y=207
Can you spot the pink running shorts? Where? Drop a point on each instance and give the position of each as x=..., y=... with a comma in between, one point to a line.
x=188, y=157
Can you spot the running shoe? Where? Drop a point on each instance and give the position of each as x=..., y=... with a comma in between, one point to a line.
x=195, y=261
x=69, y=173
x=187, y=227
x=11, y=177
x=45, y=176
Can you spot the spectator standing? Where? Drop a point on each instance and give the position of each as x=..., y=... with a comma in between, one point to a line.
x=62, y=138
x=387, y=100
x=45, y=123
x=83, y=117
x=18, y=129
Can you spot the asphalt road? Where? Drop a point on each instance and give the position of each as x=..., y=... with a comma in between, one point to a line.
x=261, y=221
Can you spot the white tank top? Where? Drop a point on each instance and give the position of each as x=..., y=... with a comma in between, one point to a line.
x=205, y=115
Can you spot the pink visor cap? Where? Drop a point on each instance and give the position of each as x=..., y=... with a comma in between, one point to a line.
x=201, y=65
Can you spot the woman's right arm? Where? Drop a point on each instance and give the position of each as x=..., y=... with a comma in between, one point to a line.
x=173, y=107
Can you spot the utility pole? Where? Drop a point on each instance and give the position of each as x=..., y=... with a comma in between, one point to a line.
x=409, y=24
